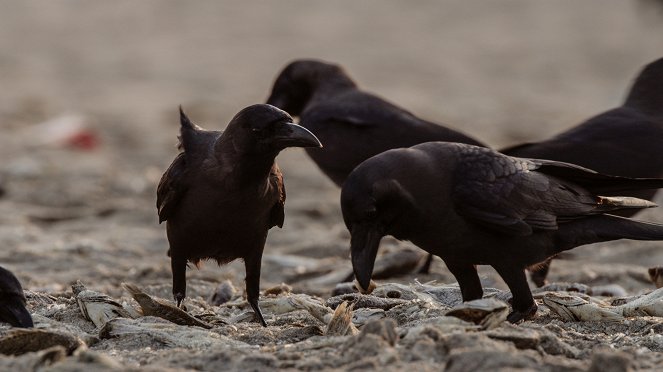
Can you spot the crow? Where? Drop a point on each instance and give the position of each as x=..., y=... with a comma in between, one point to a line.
x=625, y=141
x=223, y=193
x=354, y=125
x=474, y=206
x=12, y=301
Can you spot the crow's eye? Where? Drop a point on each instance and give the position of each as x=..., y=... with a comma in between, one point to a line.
x=254, y=130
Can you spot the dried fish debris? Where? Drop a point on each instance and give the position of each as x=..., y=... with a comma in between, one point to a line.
x=162, y=309
x=362, y=301
x=17, y=341
x=650, y=304
x=97, y=307
x=574, y=308
x=340, y=323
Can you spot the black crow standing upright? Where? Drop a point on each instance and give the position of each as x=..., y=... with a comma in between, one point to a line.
x=12, y=301
x=474, y=206
x=353, y=125
x=223, y=193
x=625, y=141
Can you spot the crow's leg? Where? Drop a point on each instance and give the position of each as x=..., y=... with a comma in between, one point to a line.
x=523, y=303
x=178, y=267
x=468, y=279
x=252, y=265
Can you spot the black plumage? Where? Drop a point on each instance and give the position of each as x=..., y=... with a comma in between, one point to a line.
x=223, y=193
x=474, y=206
x=352, y=124
x=12, y=301
x=625, y=141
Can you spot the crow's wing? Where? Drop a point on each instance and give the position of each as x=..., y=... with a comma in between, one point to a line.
x=171, y=187
x=510, y=195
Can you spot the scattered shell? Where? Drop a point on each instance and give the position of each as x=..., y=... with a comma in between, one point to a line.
x=341, y=322
x=487, y=312
x=97, y=307
x=17, y=341
x=223, y=293
x=162, y=309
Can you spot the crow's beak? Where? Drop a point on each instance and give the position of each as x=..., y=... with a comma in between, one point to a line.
x=13, y=311
x=293, y=135
x=364, y=249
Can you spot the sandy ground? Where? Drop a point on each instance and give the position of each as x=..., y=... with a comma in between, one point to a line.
x=501, y=71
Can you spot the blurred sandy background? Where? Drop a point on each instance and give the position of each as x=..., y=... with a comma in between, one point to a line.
x=502, y=71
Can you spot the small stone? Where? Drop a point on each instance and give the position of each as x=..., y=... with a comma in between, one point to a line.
x=385, y=328
x=610, y=360
x=223, y=293
x=520, y=337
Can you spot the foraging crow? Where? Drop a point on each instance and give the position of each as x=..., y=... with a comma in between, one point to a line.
x=224, y=191
x=474, y=206
x=12, y=301
x=625, y=141
x=354, y=125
